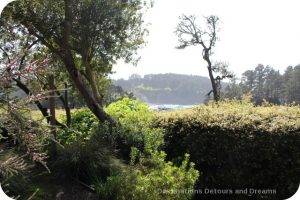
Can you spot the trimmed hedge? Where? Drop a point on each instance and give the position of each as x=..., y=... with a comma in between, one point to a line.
x=238, y=146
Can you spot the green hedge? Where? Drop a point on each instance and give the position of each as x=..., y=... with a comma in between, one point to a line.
x=238, y=146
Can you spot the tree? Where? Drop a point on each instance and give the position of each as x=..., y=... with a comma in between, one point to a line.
x=291, y=86
x=21, y=49
x=265, y=83
x=190, y=34
x=87, y=36
x=273, y=86
x=233, y=90
x=13, y=123
x=248, y=79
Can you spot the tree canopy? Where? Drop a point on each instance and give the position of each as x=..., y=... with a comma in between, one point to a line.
x=87, y=36
x=266, y=83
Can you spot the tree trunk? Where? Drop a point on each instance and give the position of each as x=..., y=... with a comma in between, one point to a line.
x=93, y=82
x=43, y=110
x=89, y=98
x=213, y=84
x=52, y=112
x=68, y=60
x=67, y=107
x=210, y=72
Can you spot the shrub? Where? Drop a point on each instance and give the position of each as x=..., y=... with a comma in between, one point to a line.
x=83, y=125
x=136, y=127
x=153, y=179
x=88, y=155
x=237, y=145
x=148, y=176
x=135, y=130
x=89, y=160
x=88, y=151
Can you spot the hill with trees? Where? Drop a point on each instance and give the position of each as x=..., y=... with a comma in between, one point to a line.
x=167, y=88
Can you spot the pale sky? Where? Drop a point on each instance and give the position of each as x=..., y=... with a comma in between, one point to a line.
x=252, y=32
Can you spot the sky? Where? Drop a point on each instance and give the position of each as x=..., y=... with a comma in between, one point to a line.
x=252, y=32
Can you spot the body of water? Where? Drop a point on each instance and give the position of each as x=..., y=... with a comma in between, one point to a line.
x=169, y=106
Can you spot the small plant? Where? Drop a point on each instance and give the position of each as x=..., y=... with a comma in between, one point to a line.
x=153, y=178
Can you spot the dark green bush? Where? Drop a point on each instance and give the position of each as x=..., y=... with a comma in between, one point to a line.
x=87, y=153
x=89, y=161
x=237, y=146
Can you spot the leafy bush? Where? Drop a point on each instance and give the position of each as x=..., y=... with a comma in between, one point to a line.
x=136, y=127
x=153, y=179
x=89, y=160
x=148, y=176
x=238, y=145
x=88, y=155
x=83, y=125
x=89, y=145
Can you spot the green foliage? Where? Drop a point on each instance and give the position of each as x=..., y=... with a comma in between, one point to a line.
x=238, y=145
x=153, y=179
x=87, y=140
x=148, y=176
x=98, y=32
x=233, y=114
x=83, y=125
x=136, y=126
x=87, y=153
x=119, y=22
x=89, y=158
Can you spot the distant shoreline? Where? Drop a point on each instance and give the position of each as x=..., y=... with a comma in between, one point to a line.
x=169, y=106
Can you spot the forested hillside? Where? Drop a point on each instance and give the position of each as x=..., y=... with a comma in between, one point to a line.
x=167, y=88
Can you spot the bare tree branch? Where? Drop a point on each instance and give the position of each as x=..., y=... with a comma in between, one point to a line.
x=189, y=34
